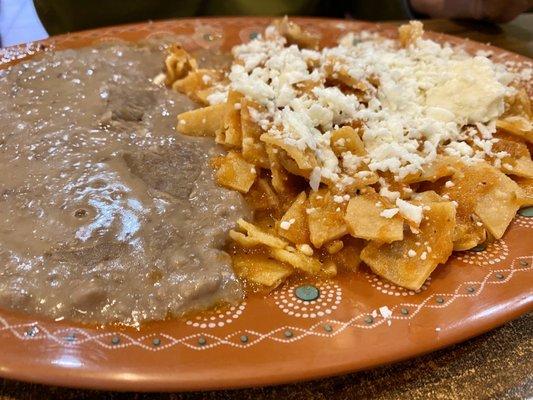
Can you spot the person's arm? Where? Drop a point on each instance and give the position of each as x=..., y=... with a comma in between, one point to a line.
x=492, y=10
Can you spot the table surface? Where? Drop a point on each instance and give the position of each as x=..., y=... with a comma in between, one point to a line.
x=494, y=365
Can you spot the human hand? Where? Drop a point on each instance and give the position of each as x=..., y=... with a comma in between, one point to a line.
x=492, y=10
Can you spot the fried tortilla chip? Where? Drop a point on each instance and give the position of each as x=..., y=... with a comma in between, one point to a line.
x=235, y=173
x=298, y=260
x=257, y=235
x=325, y=218
x=441, y=167
x=485, y=192
x=340, y=76
x=244, y=240
x=196, y=82
x=261, y=270
x=410, y=33
x=293, y=225
x=348, y=257
x=522, y=167
x=305, y=160
x=428, y=196
x=497, y=208
x=519, y=126
x=295, y=34
x=409, y=262
x=178, y=64
x=204, y=121
x=231, y=132
x=468, y=235
x=525, y=196
x=368, y=219
x=261, y=196
x=519, y=104
x=282, y=181
x=329, y=269
x=347, y=139
x=253, y=150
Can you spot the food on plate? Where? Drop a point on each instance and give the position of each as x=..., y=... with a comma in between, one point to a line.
x=291, y=160
x=431, y=245
x=390, y=152
x=107, y=214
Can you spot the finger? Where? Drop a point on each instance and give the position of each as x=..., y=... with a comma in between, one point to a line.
x=511, y=10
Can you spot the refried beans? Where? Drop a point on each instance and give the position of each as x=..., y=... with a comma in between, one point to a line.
x=107, y=215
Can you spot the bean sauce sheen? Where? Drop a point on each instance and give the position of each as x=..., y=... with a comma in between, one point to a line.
x=107, y=214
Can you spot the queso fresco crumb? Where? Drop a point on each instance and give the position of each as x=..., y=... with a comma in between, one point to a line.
x=376, y=145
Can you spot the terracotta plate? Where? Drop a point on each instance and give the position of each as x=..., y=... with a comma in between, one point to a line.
x=280, y=338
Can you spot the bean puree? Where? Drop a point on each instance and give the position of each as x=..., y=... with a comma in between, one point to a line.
x=107, y=215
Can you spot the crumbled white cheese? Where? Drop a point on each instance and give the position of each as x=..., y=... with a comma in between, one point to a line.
x=306, y=249
x=386, y=313
x=389, y=213
x=410, y=211
x=449, y=184
x=470, y=90
x=486, y=130
x=429, y=98
x=314, y=178
x=159, y=79
x=411, y=253
x=484, y=53
x=285, y=225
x=340, y=142
x=391, y=195
x=217, y=97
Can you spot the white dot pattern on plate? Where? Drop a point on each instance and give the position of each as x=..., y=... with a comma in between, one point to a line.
x=388, y=288
x=217, y=318
x=329, y=299
x=513, y=269
x=495, y=253
x=526, y=222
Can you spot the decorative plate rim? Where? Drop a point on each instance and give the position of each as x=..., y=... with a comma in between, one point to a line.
x=147, y=345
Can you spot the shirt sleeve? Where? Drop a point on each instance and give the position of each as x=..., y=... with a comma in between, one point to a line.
x=379, y=10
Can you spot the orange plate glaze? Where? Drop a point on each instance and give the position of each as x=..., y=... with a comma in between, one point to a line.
x=277, y=338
